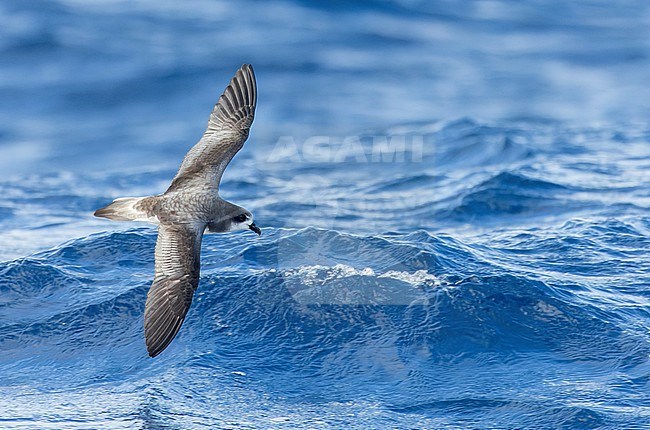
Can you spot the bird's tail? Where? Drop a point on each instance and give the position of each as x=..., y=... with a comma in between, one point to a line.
x=130, y=209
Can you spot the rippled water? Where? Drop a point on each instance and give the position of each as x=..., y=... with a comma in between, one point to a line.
x=454, y=208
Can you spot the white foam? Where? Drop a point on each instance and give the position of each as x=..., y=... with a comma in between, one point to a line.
x=416, y=278
x=330, y=285
x=319, y=274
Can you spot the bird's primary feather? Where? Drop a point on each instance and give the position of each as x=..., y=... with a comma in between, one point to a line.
x=224, y=136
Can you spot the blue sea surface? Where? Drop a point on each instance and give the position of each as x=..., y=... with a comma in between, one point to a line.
x=454, y=199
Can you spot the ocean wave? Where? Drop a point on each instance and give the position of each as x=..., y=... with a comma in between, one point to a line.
x=308, y=278
x=324, y=314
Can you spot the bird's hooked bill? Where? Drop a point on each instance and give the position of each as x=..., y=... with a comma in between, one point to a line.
x=256, y=229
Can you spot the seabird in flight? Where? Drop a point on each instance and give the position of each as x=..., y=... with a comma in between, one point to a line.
x=190, y=206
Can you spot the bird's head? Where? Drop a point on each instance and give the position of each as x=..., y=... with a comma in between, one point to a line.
x=233, y=218
x=243, y=220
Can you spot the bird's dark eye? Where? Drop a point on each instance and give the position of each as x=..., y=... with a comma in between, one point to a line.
x=240, y=218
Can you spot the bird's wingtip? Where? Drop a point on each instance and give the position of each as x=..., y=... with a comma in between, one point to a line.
x=153, y=354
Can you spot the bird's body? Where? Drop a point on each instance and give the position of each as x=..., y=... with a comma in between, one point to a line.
x=191, y=206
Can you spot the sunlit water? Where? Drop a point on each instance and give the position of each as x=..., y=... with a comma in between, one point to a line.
x=454, y=210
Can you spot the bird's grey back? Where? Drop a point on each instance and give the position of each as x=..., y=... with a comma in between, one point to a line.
x=193, y=193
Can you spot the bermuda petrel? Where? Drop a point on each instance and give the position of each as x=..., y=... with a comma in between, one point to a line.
x=190, y=206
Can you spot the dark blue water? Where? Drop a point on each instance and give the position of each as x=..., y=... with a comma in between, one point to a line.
x=454, y=202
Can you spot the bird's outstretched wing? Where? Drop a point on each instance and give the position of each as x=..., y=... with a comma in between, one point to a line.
x=226, y=133
x=178, y=253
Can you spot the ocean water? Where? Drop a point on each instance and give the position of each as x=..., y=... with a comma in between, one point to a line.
x=454, y=202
